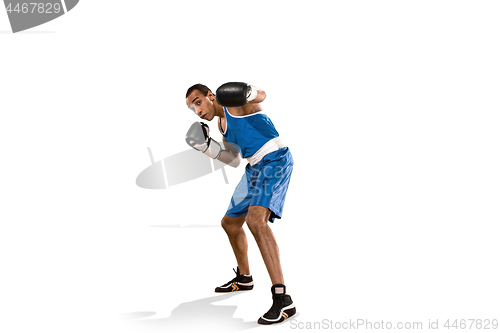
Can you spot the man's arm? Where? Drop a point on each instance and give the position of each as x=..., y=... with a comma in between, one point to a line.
x=199, y=138
x=260, y=97
x=230, y=155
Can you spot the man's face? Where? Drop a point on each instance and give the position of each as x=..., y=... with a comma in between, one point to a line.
x=201, y=105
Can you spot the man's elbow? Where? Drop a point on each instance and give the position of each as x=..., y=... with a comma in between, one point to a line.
x=235, y=162
x=262, y=96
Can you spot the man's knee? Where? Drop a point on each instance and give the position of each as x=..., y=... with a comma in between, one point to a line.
x=257, y=219
x=225, y=223
x=256, y=224
x=232, y=224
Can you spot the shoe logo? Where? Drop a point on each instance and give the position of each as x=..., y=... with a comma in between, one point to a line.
x=235, y=287
x=284, y=314
x=24, y=14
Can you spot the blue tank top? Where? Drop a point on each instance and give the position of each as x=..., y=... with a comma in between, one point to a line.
x=249, y=132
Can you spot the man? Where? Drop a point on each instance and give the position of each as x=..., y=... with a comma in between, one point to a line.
x=259, y=197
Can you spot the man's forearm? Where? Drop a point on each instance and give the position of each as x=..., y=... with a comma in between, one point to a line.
x=228, y=158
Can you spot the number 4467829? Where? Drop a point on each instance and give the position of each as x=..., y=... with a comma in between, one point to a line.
x=471, y=323
x=34, y=7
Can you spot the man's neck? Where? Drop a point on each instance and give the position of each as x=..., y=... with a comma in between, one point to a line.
x=219, y=111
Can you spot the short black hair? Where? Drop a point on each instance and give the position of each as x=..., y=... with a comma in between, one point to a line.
x=200, y=87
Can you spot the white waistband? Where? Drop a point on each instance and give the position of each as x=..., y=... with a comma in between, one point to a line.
x=268, y=147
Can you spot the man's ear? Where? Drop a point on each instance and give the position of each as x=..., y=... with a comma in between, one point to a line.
x=211, y=96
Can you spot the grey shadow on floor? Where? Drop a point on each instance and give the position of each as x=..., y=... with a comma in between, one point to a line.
x=34, y=32
x=196, y=316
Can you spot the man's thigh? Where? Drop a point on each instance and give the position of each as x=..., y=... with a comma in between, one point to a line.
x=258, y=215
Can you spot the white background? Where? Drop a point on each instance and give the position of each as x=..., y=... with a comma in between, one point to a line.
x=390, y=109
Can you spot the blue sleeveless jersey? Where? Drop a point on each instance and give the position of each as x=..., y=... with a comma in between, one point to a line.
x=249, y=132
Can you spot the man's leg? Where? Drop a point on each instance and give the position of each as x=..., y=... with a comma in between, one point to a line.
x=257, y=223
x=234, y=230
x=283, y=306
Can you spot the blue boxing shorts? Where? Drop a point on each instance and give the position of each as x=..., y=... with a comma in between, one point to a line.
x=264, y=184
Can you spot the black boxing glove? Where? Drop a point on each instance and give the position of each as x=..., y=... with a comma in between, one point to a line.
x=233, y=94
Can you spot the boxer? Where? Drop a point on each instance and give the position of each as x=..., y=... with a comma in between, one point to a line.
x=248, y=133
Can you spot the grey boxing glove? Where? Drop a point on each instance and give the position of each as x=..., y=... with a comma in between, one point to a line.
x=198, y=137
x=233, y=94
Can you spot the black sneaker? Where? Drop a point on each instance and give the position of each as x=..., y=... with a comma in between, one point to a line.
x=240, y=282
x=282, y=308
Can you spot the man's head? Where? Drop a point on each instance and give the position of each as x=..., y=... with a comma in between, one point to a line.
x=200, y=99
